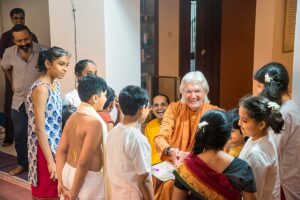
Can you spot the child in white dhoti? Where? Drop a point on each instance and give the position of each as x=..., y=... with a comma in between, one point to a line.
x=128, y=150
x=257, y=114
x=79, y=155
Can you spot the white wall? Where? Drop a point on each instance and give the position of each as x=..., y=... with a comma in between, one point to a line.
x=36, y=18
x=122, y=43
x=90, y=34
x=108, y=32
x=296, y=67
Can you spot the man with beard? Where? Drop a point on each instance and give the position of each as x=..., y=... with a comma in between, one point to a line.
x=19, y=63
x=17, y=16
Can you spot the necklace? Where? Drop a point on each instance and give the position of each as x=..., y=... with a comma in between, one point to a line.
x=53, y=87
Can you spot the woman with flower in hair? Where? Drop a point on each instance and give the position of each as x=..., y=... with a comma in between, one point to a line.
x=272, y=81
x=209, y=172
x=257, y=114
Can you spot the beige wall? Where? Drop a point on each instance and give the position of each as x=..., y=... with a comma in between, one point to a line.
x=168, y=37
x=168, y=46
x=285, y=58
x=237, y=47
x=269, y=30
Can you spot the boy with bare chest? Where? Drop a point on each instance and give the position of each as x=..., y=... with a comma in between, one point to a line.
x=79, y=155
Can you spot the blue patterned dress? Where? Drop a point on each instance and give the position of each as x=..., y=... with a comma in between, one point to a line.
x=53, y=127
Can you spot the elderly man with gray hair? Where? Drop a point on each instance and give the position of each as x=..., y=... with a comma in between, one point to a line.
x=177, y=132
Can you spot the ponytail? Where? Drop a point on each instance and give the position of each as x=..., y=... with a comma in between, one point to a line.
x=199, y=142
x=262, y=109
x=275, y=121
x=51, y=55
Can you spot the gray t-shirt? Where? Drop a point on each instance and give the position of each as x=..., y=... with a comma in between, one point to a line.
x=23, y=73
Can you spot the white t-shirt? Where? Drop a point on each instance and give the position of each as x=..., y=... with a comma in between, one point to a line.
x=261, y=155
x=288, y=145
x=72, y=98
x=128, y=154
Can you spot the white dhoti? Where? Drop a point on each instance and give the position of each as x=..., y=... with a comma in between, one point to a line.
x=92, y=187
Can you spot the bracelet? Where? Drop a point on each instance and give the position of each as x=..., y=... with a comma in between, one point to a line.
x=167, y=151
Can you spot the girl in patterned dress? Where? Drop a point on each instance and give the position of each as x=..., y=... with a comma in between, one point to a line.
x=44, y=122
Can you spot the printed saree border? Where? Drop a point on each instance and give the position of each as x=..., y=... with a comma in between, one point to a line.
x=200, y=189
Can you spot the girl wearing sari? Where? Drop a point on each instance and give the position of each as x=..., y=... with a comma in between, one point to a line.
x=210, y=173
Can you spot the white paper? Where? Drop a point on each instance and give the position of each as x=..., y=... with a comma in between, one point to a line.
x=163, y=171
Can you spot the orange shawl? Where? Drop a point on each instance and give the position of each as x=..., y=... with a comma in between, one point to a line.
x=179, y=126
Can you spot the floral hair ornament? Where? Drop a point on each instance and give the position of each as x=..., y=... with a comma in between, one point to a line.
x=267, y=78
x=274, y=106
x=202, y=125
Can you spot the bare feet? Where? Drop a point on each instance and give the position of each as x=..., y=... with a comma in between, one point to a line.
x=19, y=169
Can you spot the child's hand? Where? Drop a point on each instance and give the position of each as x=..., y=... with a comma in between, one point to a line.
x=60, y=188
x=68, y=195
x=52, y=170
x=181, y=156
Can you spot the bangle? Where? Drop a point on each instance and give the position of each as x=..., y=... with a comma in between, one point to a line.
x=167, y=151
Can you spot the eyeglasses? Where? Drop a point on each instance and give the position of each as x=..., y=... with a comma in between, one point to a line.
x=197, y=92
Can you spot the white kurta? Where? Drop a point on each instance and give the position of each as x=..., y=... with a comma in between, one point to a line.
x=288, y=145
x=72, y=98
x=261, y=155
x=128, y=155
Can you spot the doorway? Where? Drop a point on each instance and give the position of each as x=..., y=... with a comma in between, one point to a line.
x=199, y=41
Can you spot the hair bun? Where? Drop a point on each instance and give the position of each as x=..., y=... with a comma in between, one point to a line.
x=276, y=121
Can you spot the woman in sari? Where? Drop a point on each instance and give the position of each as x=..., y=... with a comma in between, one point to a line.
x=210, y=173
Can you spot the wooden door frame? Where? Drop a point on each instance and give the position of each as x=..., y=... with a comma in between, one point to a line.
x=208, y=38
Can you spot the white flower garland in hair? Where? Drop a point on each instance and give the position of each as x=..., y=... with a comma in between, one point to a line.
x=202, y=125
x=274, y=106
x=267, y=78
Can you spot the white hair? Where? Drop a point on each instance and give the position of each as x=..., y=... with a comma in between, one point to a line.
x=195, y=77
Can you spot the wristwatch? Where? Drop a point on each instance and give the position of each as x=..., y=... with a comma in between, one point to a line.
x=167, y=151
